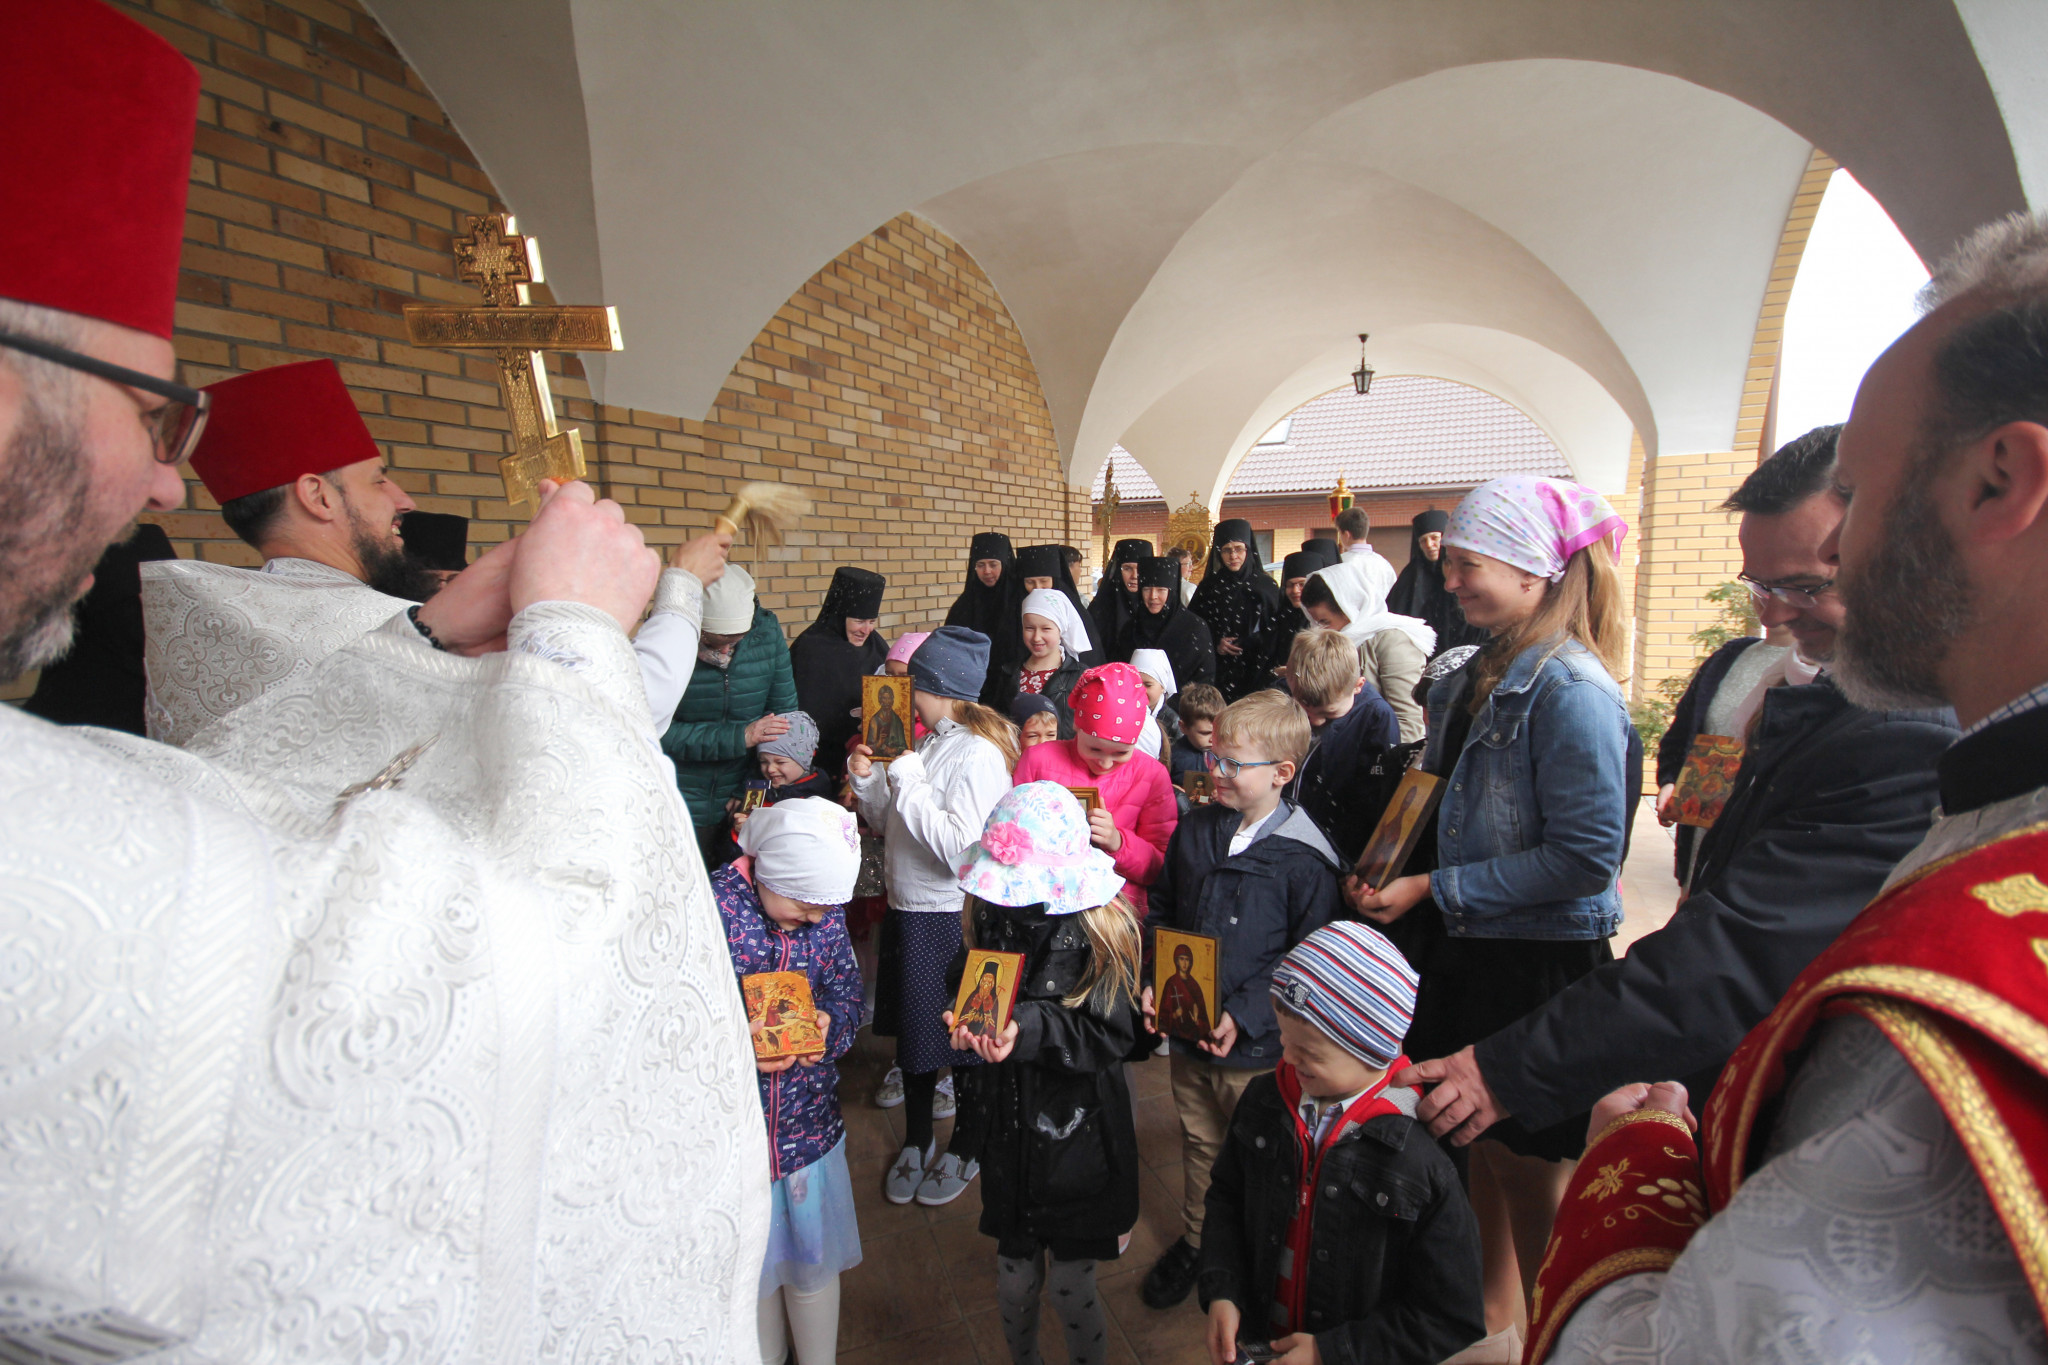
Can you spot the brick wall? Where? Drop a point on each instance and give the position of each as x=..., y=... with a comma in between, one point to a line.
x=327, y=183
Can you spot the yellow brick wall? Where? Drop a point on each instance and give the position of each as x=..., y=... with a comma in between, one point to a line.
x=327, y=184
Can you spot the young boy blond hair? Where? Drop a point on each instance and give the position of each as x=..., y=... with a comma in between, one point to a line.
x=1256, y=874
x=1337, y=786
x=1322, y=672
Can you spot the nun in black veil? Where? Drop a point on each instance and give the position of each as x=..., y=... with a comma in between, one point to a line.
x=1420, y=590
x=1241, y=604
x=833, y=654
x=1294, y=572
x=987, y=603
x=1116, y=601
x=1162, y=623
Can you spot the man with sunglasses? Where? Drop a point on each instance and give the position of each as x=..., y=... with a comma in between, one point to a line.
x=1829, y=797
x=395, y=1015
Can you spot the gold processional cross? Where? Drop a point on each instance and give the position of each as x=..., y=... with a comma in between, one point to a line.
x=504, y=265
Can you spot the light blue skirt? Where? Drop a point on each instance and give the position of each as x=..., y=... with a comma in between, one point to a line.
x=812, y=1232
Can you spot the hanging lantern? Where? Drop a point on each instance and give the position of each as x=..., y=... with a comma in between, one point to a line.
x=1361, y=378
x=1340, y=496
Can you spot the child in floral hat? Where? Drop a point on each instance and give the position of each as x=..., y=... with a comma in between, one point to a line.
x=1059, y=1151
x=1137, y=813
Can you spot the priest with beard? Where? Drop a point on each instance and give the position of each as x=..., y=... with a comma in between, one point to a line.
x=399, y=1017
x=988, y=600
x=1420, y=590
x=1116, y=601
x=834, y=653
x=1241, y=604
x=301, y=480
x=1869, y=1182
x=1162, y=623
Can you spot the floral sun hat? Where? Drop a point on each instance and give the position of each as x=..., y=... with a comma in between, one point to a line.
x=1035, y=851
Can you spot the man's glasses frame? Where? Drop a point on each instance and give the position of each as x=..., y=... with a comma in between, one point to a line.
x=175, y=427
x=1802, y=597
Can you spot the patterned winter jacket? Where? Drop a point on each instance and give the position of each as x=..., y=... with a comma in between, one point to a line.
x=802, y=1103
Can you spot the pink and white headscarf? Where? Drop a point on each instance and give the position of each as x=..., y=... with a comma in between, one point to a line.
x=1110, y=703
x=1535, y=524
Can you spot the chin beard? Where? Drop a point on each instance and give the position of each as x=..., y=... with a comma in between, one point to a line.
x=44, y=488
x=1906, y=608
x=388, y=568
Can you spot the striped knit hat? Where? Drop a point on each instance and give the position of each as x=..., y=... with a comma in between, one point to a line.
x=1354, y=985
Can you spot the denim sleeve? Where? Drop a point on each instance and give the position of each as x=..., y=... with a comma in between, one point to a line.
x=1578, y=764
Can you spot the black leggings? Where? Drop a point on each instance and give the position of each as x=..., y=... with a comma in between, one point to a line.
x=917, y=1108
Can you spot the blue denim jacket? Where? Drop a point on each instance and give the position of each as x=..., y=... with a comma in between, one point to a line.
x=1530, y=834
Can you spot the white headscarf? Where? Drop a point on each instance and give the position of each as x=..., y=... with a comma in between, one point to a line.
x=1055, y=607
x=729, y=603
x=1361, y=586
x=1154, y=664
x=807, y=849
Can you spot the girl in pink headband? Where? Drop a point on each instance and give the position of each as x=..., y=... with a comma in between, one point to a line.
x=1134, y=813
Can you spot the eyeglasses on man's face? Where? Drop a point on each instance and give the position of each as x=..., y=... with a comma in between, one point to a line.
x=1230, y=767
x=1800, y=595
x=174, y=426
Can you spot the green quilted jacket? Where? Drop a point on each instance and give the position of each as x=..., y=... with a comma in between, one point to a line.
x=707, y=740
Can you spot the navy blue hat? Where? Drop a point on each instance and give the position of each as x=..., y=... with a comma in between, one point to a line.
x=952, y=663
x=1025, y=705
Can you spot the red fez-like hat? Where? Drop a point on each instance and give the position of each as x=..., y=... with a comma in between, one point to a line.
x=96, y=122
x=270, y=426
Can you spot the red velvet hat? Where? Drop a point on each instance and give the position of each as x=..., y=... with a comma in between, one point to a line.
x=96, y=122
x=270, y=426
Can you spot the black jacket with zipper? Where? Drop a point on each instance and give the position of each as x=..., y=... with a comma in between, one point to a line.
x=1058, y=1150
x=1393, y=1264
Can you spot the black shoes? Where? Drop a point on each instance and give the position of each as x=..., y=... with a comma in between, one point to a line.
x=1172, y=1278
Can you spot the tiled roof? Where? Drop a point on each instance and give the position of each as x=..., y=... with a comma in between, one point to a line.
x=1409, y=432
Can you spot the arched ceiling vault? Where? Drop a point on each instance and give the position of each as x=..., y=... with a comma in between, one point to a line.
x=1190, y=205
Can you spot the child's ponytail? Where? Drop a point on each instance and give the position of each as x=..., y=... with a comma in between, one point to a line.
x=991, y=725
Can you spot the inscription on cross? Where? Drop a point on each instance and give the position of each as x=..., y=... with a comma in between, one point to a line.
x=503, y=265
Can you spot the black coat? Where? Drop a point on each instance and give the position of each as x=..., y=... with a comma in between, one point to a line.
x=812, y=783
x=100, y=681
x=1336, y=786
x=1393, y=1271
x=1184, y=638
x=1257, y=905
x=1059, y=1152
x=1829, y=798
x=1063, y=681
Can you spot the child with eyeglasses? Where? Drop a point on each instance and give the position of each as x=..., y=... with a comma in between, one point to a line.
x=1257, y=874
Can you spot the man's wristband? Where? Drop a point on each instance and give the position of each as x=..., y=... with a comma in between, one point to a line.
x=412, y=614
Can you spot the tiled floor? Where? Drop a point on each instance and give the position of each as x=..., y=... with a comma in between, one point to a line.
x=924, y=1294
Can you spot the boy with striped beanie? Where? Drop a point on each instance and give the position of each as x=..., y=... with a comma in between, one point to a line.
x=1337, y=1231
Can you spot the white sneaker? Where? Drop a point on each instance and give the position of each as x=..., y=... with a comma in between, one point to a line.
x=947, y=1180
x=944, y=1106
x=900, y=1186
x=890, y=1093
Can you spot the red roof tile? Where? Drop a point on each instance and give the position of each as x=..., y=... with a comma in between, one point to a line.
x=1410, y=432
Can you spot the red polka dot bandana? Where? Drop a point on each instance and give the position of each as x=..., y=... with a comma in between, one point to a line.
x=1110, y=703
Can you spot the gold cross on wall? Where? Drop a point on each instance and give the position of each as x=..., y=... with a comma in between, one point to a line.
x=503, y=265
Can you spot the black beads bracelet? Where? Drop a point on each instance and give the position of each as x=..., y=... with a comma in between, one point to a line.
x=412, y=614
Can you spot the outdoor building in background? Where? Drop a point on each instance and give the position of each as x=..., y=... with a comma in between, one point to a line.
x=1412, y=444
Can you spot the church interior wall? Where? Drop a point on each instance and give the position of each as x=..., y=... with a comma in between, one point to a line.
x=328, y=184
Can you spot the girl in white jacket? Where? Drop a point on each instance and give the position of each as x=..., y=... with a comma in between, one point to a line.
x=931, y=805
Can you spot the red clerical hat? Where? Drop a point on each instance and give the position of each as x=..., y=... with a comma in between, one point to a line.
x=96, y=122
x=270, y=426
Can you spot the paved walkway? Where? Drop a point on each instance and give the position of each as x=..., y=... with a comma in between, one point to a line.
x=925, y=1292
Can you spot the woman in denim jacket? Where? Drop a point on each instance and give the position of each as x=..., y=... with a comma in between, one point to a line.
x=1532, y=735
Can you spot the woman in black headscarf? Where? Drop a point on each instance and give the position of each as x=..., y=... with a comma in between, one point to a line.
x=1162, y=623
x=1294, y=572
x=988, y=603
x=833, y=654
x=1420, y=590
x=1116, y=601
x=1241, y=606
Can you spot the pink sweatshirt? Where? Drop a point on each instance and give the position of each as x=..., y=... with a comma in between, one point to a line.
x=1138, y=795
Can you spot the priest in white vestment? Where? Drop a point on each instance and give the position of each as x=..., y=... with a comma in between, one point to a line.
x=300, y=479
x=399, y=1025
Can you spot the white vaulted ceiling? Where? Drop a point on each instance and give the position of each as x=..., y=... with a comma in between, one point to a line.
x=1191, y=206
